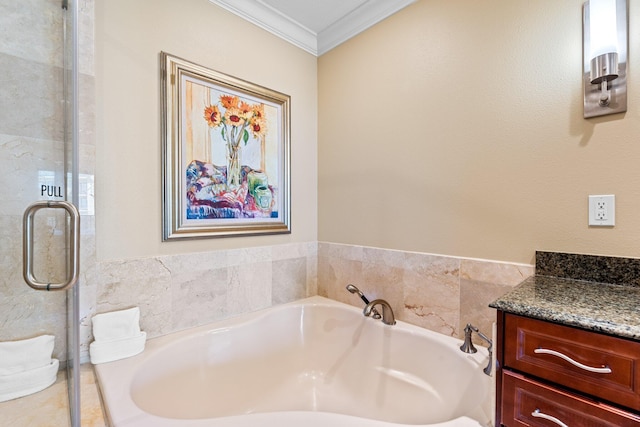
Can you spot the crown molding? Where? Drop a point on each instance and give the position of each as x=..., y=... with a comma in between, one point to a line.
x=273, y=21
x=357, y=21
x=270, y=19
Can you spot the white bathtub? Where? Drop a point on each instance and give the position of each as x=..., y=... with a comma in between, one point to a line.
x=315, y=362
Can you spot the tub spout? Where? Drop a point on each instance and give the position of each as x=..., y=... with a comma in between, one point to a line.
x=468, y=347
x=387, y=313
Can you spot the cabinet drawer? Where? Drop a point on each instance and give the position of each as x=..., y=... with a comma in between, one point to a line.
x=526, y=402
x=566, y=356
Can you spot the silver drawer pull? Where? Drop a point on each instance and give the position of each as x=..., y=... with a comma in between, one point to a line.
x=539, y=414
x=603, y=370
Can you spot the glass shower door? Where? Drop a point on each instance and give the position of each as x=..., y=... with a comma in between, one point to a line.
x=38, y=166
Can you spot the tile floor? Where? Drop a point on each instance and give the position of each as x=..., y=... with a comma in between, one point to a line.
x=50, y=407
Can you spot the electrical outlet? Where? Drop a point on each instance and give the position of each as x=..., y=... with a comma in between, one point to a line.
x=602, y=210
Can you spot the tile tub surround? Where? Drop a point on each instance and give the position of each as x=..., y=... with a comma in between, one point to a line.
x=180, y=291
x=436, y=292
x=176, y=292
x=561, y=292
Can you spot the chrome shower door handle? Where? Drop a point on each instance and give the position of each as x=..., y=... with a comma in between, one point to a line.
x=73, y=253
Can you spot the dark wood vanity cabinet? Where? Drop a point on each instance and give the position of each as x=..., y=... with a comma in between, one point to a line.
x=553, y=375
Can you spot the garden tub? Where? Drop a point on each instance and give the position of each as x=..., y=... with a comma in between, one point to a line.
x=313, y=362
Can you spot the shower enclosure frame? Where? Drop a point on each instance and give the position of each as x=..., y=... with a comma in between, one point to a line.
x=72, y=169
x=40, y=158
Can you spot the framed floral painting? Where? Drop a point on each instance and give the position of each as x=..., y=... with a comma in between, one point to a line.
x=226, y=154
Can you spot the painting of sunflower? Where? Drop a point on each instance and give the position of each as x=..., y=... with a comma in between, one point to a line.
x=230, y=150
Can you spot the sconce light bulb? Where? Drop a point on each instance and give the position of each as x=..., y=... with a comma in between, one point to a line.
x=602, y=27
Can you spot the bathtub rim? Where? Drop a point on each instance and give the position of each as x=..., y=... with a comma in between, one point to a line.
x=114, y=378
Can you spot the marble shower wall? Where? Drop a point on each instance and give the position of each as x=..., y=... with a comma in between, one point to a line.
x=436, y=292
x=32, y=151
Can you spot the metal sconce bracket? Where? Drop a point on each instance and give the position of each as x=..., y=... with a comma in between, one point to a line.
x=605, y=75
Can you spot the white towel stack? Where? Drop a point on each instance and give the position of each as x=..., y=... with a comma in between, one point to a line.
x=117, y=336
x=26, y=366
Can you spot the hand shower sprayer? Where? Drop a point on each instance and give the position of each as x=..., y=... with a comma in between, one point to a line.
x=354, y=290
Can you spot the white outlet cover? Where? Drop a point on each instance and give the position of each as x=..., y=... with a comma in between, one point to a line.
x=602, y=217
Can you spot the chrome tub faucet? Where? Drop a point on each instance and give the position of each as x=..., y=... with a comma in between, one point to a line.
x=387, y=313
x=468, y=347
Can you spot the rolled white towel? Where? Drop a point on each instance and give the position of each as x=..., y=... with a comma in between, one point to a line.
x=28, y=382
x=108, y=351
x=25, y=355
x=116, y=325
x=117, y=336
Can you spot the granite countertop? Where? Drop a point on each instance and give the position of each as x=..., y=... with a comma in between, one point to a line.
x=612, y=309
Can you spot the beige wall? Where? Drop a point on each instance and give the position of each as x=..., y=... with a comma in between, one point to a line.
x=129, y=38
x=455, y=128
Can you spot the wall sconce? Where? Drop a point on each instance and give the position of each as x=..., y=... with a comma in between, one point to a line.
x=604, y=45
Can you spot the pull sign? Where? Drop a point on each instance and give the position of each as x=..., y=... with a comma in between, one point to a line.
x=51, y=191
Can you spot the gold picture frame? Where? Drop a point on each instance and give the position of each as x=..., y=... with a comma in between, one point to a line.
x=226, y=154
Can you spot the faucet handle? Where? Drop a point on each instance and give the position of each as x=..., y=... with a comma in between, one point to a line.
x=467, y=346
